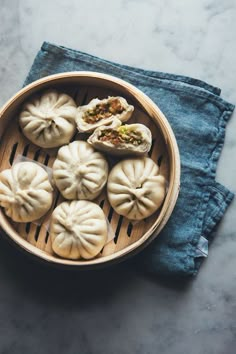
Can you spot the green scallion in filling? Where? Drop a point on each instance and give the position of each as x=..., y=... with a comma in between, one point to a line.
x=122, y=136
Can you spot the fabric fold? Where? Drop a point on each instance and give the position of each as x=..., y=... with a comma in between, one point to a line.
x=220, y=199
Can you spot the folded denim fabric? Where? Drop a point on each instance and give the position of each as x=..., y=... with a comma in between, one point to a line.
x=198, y=117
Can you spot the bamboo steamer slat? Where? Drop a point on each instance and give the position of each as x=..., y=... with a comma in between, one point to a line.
x=130, y=238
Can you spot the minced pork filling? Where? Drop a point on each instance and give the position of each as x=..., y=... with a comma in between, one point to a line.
x=103, y=110
x=123, y=135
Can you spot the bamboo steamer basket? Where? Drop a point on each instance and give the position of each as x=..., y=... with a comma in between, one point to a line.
x=130, y=238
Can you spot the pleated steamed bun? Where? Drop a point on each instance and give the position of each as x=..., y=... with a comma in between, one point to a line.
x=25, y=192
x=48, y=120
x=78, y=229
x=79, y=171
x=135, y=188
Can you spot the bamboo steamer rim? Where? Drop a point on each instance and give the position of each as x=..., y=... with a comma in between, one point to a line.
x=174, y=184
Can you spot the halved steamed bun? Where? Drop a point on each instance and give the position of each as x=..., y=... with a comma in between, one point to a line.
x=78, y=229
x=103, y=112
x=25, y=192
x=135, y=139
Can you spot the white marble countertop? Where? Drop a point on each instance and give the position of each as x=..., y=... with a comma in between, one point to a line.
x=133, y=313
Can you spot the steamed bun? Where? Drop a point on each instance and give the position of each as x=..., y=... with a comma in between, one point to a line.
x=107, y=111
x=25, y=192
x=79, y=171
x=135, y=188
x=49, y=120
x=78, y=229
x=127, y=139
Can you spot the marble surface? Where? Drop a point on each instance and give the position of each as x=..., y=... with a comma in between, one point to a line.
x=43, y=310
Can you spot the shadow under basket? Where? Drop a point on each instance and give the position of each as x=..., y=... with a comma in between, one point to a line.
x=130, y=238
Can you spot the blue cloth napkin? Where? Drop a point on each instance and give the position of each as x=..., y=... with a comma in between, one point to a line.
x=198, y=117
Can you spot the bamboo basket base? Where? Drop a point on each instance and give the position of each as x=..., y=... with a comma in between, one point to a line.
x=14, y=145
